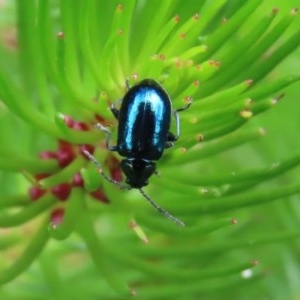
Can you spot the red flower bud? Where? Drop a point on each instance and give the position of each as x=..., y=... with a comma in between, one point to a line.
x=61, y=191
x=35, y=193
x=57, y=216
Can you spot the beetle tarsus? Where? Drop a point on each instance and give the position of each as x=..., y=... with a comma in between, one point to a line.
x=107, y=133
x=127, y=83
x=187, y=106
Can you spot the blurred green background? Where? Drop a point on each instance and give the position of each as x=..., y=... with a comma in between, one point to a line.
x=283, y=121
x=280, y=261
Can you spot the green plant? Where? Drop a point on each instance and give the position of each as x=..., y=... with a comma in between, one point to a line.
x=57, y=78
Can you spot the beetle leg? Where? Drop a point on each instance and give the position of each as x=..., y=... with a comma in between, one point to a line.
x=107, y=133
x=185, y=107
x=114, y=110
x=174, y=137
x=169, y=145
x=127, y=83
x=177, y=119
x=170, y=140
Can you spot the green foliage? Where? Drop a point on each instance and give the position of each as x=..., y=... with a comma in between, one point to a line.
x=67, y=233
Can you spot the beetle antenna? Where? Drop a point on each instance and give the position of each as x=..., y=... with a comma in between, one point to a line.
x=100, y=170
x=161, y=210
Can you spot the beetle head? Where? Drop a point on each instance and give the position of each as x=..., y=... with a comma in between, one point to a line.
x=137, y=171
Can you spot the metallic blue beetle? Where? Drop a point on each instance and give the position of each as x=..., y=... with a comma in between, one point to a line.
x=143, y=134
